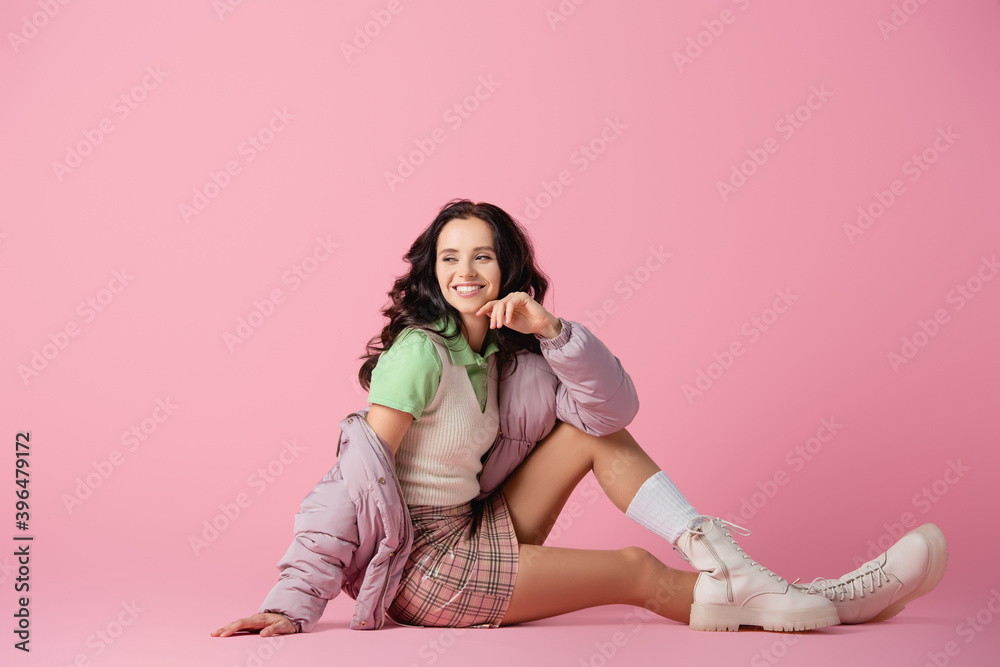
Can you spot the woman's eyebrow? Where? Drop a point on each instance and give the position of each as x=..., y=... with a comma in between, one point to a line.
x=476, y=249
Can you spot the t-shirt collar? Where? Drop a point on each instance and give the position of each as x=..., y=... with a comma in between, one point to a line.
x=459, y=351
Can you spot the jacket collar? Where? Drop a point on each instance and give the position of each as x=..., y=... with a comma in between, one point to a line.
x=459, y=351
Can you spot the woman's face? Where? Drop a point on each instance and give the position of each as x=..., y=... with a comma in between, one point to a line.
x=467, y=259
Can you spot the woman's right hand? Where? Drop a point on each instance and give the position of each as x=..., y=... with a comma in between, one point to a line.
x=268, y=623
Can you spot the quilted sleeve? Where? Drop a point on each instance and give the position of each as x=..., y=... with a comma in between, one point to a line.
x=326, y=537
x=594, y=392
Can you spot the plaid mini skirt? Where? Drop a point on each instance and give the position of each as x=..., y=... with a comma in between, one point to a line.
x=461, y=569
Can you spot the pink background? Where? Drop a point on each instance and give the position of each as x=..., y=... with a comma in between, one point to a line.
x=650, y=184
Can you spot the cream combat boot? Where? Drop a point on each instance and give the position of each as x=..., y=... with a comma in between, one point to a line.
x=733, y=590
x=879, y=589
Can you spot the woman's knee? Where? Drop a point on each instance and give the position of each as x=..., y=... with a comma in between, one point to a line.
x=659, y=586
x=640, y=559
x=565, y=431
x=655, y=582
x=642, y=566
x=621, y=434
x=568, y=442
x=579, y=441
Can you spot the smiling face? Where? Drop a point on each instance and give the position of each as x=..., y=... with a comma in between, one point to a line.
x=467, y=267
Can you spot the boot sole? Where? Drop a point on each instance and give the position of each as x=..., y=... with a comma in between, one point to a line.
x=714, y=617
x=938, y=548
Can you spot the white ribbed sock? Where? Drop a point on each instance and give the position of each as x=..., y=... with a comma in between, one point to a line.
x=660, y=506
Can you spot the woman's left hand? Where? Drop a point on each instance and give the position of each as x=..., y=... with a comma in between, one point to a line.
x=521, y=313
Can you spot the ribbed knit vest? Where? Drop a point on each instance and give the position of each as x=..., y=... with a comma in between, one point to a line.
x=438, y=460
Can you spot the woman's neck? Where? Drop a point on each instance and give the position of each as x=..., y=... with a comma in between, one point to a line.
x=475, y=332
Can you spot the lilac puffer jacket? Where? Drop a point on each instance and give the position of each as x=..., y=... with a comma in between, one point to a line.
x=353, y=530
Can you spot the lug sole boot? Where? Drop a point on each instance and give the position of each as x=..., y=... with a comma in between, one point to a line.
x=734, y=590
x=881, y=588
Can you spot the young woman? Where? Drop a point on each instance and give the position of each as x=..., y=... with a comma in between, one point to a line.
x=486, y=410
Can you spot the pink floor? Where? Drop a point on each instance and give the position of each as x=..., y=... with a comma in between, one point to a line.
x=169, y=625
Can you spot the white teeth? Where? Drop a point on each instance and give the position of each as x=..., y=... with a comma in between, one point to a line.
x=464, y=289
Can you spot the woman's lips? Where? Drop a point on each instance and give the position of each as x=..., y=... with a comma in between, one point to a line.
x=469, y=294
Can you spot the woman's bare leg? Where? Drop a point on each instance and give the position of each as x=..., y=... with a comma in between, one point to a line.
x=554, y=580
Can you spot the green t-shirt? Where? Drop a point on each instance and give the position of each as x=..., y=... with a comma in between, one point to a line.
x=407, y=375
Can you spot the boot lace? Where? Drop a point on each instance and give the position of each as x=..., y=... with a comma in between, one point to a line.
x=855, y=583
x=724, y=525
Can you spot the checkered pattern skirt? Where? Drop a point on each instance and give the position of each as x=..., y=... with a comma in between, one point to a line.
x=461, y=570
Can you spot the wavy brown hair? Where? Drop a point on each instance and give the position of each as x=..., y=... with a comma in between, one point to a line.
x=416, y=298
